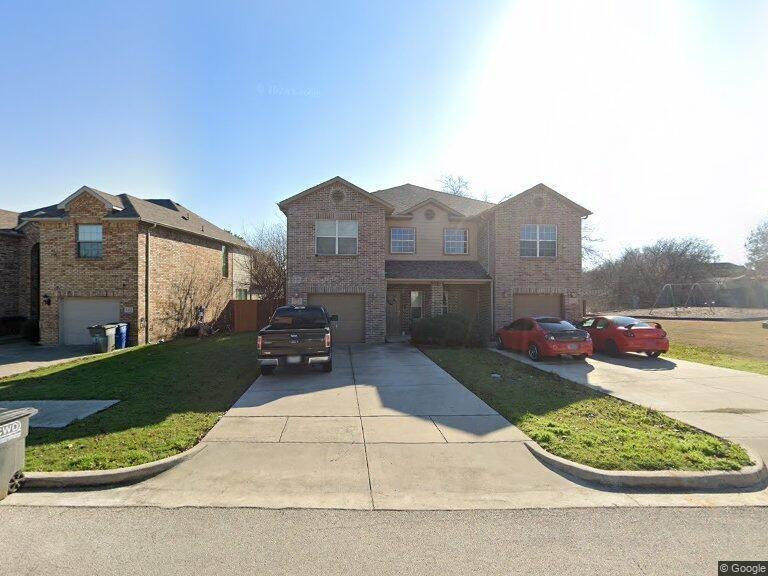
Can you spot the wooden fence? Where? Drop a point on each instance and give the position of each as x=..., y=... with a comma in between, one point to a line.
x=250, y=315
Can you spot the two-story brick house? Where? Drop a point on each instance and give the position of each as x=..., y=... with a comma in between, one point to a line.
x=97, y=257
x=382, y=260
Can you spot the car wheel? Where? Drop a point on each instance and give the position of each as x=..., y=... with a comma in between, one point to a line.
x=267, y=370
x=328, y=366
x=534, y=353
x=611, y=348
x=580, y=357
x=654, y=354
x=499, y=343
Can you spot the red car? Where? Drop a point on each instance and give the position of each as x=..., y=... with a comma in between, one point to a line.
x=544, y=336
x=616, y=335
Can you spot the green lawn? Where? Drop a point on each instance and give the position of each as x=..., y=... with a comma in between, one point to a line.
x=170, y=395
x=582, y=425
x=717, y=357
x=737, y=345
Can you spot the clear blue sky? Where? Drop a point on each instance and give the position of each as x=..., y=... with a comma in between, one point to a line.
x=651, y=113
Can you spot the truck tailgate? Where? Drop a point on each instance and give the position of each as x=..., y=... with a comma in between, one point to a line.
x=289, y=342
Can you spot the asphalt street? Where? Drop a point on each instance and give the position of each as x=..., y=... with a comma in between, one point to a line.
x=222, y=541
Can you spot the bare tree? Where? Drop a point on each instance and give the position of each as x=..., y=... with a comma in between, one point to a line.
x=757, y=248
x=193, y=289
x=266, y=265
x=590, y=241
x=457, y=185
x=638, y=274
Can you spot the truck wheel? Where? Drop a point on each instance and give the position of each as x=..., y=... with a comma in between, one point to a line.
x=267, y=370
x=328, y=366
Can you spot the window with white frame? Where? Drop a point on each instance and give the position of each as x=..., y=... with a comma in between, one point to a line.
x=336, y=237
x=90, y=238
x=538, y=241
x=402, y=240
x=456, y=241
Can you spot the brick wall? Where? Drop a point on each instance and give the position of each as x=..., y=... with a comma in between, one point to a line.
x=28, y=273
x=364, y=273
x=9, y=275
x=513, y=274
x=63, y=274
x=185, y=272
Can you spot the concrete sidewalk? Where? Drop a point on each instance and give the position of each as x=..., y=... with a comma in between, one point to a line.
x=387, y=429
x=728, y=403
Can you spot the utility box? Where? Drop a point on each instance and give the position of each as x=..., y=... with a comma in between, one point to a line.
x=14, y=426
x=103, y=337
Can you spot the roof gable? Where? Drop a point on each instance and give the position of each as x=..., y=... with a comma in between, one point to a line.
x=335, y=180
x=8, y=220
x=110, y=202
x=406, y=197
x=434, y=202
x=544, y=189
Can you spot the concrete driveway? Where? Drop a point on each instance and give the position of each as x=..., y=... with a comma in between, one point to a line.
x=18, y=357
x=728, y=403
x=387, y=429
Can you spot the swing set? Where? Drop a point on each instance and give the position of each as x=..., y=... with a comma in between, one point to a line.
x=688, y=295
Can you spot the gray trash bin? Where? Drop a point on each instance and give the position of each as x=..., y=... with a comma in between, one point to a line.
x=14, y=426
x=103, y=337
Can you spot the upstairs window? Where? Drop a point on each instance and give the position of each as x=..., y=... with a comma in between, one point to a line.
x=225, y=261
x=402, y=240
x=538, y=241
x=336, y=237
x=90, y=241
x=241, y=294
x=456, y=241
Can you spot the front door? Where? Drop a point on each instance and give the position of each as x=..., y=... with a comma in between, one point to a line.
x=393, y=313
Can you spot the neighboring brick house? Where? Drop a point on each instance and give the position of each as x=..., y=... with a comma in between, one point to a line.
x=96, y=257
x=382, y=260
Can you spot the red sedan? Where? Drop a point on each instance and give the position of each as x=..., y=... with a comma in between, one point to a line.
x=616, y=335
x=544, y=336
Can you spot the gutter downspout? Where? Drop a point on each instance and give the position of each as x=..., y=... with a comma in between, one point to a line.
x=146, y=284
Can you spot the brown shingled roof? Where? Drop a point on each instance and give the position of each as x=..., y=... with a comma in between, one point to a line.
x=163, y=212
x=434, y=269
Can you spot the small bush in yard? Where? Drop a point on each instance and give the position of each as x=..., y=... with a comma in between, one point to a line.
x=448, y=330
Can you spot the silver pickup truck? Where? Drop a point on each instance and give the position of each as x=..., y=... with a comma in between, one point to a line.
x=296, y=336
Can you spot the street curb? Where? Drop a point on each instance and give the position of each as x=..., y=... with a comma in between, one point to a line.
x=658, y=479
x=88, y=478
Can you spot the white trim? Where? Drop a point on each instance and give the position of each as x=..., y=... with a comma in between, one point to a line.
x=539, y=241
x=465, y=241
x=413, y=241
x=336, y=237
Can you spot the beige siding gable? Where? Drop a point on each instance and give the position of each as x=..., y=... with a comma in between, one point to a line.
x=430, y=233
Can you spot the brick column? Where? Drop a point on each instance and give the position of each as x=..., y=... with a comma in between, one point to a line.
x=437, y=299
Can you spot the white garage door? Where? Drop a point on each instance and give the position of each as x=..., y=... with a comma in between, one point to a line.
x=76, y=314
x=530, y=305
x=350, y=308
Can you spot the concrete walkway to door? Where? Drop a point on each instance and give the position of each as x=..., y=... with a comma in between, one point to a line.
x=387, y=429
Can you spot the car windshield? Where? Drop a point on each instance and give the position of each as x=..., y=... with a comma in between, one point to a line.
x=627, y=321
x=555, y=324
x=313, y=317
